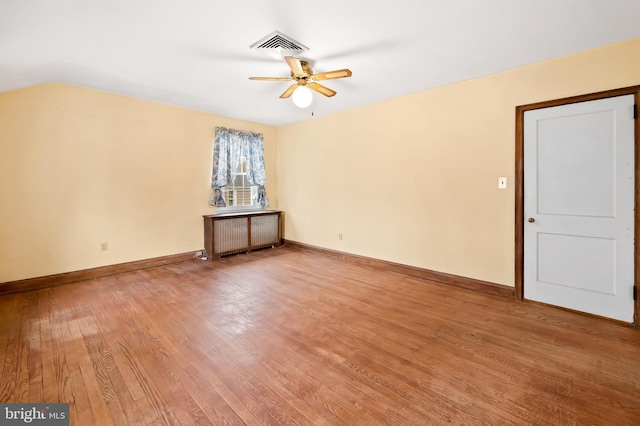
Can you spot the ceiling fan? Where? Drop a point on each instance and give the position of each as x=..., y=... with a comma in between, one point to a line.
x=305, y=79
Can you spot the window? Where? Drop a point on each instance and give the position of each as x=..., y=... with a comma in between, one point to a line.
x=238, y=175
x=240, y=195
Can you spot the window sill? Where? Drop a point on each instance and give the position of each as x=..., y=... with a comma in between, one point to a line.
x=247, y=209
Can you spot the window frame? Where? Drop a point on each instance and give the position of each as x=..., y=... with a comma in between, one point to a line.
x=252, y=192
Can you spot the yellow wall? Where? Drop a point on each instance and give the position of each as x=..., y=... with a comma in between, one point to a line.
x=414, y=179
x=410, y=180
x=80, y=167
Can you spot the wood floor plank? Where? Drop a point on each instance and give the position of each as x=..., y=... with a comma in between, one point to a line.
x=286, y=336
x=36, y=383
x=54, y=364
x=95, y=406
x=79, y=394
x=14, y=381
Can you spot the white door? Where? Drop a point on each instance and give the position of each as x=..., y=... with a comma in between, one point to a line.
x=579, y=206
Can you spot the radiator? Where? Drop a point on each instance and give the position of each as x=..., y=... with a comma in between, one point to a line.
x=264, y=230
x=241, y=232
x=230, y=235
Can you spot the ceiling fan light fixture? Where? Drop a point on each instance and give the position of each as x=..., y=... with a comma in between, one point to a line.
x=302, y=97
x=304, y=81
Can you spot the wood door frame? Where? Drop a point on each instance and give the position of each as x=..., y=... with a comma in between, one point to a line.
x=519, y=184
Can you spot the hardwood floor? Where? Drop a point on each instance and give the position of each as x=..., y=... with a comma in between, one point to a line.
x=285, y=336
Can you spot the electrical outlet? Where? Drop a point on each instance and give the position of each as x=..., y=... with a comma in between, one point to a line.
x=104, y=246
x=502, y=183
x=340, y=236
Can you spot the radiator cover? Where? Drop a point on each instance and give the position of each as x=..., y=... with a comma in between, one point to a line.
x=231, y=233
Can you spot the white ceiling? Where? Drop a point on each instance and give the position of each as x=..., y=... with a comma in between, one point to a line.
x=195, y=53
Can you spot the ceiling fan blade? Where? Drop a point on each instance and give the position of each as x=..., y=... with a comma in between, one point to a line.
x=271, y=78
x=321, y=89
x=330, y=75
x=295, y=65
x=289, y=91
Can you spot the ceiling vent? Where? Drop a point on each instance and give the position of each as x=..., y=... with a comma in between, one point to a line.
x=278, y=45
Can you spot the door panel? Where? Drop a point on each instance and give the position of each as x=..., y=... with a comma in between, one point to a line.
x=568, y=185
x=579, y=192
x=577, y=262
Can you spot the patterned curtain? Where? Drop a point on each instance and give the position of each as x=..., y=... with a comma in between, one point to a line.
x=229, y=147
